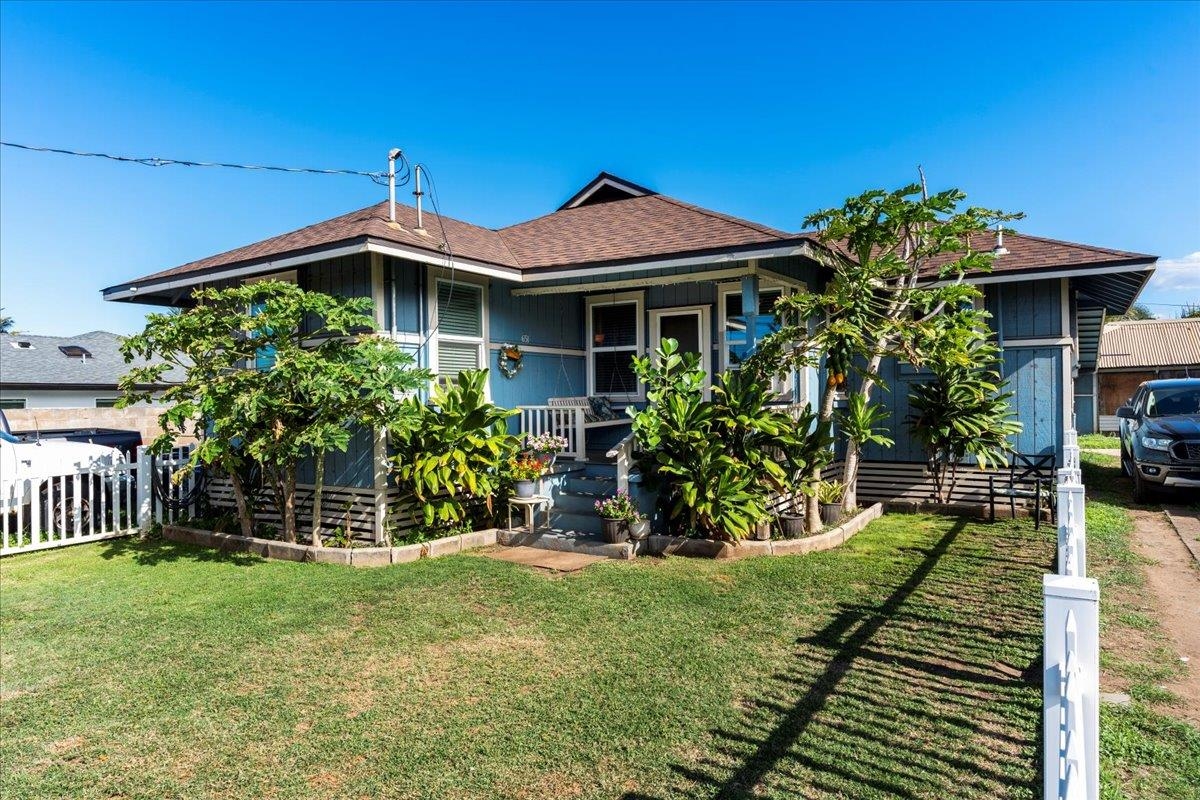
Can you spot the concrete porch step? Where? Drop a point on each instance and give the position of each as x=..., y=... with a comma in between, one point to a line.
x=568, y=541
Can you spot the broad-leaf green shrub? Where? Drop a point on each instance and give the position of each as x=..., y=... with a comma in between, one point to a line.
x=452, y=460
x=963, y=411
x=718, y=463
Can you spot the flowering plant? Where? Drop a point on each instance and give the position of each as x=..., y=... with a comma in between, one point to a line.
x=619, y=506
x=546, y=443
x=525, y=468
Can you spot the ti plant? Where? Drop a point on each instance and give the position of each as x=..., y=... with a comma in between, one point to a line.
x=963, y=411
x=452, y=460
x=717, y=463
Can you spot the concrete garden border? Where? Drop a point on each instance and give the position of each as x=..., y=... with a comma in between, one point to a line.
x=347, y=556
x=706, y=548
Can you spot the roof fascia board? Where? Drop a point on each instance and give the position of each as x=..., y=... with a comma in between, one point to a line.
x=1037, y=273
x=634, y=283
x=369, y=246
x=799, y=249
x=191, y=279
x=442, y=260
x=713, y=275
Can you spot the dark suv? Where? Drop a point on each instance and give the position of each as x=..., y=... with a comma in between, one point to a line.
x=1160, y=437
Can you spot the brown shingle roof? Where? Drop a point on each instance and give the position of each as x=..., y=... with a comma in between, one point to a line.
x=639, y=227
x=1150, y=343
x=624, y=230
x=467, y=240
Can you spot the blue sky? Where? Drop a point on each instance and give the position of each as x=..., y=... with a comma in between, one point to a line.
x=1086, y=117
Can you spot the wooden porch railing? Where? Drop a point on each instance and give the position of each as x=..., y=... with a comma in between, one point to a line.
x=565, y=421
x=622, y=451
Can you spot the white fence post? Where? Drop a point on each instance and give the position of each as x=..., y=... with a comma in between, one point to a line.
x=1072, y=528
x=145, y=488
x=1071, y=687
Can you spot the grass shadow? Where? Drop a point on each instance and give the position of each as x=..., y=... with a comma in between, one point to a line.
x=150, y=552
x=894, y=698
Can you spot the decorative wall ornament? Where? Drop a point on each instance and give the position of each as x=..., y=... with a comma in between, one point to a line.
x=509, y=360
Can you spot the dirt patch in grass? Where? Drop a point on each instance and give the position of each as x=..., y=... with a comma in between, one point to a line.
x=1172, y=577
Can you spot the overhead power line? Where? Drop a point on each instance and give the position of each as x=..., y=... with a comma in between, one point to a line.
x=157, y=161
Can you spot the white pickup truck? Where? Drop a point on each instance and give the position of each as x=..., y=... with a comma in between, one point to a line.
x=41, y=460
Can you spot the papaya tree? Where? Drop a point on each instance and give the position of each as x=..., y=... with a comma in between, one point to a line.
x=268, y=375
x=897, y=260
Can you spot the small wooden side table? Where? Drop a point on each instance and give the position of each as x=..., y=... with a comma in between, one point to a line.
x=531, y=506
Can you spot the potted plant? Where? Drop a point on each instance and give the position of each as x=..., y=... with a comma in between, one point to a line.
x=619, y=517
x=762, y=530
x=829, y=497
x=525, y=471
x=791, y=521
x=545, y=447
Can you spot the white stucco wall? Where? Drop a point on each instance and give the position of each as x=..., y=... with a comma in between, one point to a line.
x=58, y=398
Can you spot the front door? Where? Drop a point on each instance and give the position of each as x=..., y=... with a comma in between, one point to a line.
x=690, y=327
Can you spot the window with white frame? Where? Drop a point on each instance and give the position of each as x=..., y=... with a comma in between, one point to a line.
x=460, y=329
x=614, y=337
x=735, y=343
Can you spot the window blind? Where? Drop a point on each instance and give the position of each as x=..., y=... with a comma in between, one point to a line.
x=460, y=310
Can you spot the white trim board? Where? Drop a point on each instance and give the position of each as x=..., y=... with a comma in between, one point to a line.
x=703, y=315
x=542, y=349
x=638, y=299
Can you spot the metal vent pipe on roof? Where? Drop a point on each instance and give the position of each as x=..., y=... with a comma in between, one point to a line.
x=393, y=154
x=417, y=193
x=999, y=249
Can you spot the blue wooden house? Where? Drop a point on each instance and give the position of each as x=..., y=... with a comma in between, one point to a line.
x=579, y=291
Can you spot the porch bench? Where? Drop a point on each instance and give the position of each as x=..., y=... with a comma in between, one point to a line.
x=566, y=417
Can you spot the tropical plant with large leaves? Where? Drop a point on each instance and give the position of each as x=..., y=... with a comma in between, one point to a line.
x=717, y=463
x=963, y=412
x=452, y=459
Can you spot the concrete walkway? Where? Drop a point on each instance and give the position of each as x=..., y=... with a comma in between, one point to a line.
x=556, y=560
x=1187, y=524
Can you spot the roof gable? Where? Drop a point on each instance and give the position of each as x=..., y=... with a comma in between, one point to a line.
x=605, y=188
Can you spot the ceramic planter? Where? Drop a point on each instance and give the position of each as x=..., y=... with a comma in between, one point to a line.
x=525, y=488
x=639, y=530
x=831, y=513
x=791, y=526
x=614, y=531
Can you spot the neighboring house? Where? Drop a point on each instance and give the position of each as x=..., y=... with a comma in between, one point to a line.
x=1133, y=351
x=617, y=267
x=60, y=371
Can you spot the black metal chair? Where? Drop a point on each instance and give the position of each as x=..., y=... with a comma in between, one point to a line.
x=1028, y=477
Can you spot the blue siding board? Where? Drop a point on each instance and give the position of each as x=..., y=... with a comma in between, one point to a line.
x=1026, y=309
x=352, y=468
x=549, y=320
x=1034, y=377
x=541, y=377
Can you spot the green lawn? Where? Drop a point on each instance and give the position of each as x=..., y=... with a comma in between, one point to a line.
x=1145, y=752
x=903, y=664
x=1099, y=441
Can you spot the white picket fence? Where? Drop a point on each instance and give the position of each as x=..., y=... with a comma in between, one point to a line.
x=91, y=503
x=1071, y=650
